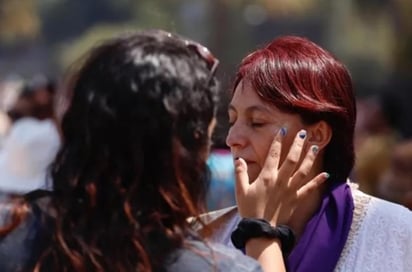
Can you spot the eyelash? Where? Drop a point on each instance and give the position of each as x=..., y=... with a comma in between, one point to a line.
x=251, y=124
x=256, y=125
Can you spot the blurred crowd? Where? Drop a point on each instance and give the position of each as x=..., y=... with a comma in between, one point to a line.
x=384, y=145
x=29, y=140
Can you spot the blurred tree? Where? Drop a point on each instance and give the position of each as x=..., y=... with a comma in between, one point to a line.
x=290, y=7
x=18, y=21
x=98, y=20
x=401, y=12
x=157, y=14
x=68, y=53
x=66, y=19
x=362, y=34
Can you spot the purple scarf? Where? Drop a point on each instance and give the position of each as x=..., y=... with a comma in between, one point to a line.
x=324, y=237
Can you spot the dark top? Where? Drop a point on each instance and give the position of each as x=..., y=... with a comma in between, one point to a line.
x=20, y=249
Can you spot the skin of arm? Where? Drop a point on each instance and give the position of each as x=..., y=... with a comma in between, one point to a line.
x=267, y=252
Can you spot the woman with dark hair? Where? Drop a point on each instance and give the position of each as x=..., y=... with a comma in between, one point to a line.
x=294, y=85
x=130, y=177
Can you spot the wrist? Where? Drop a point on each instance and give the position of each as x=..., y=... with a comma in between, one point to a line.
x=256, y=247
x=263, y=242
x=251, y=231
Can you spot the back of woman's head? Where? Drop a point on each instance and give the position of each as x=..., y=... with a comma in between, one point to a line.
x=131, y=169
x=297, y=76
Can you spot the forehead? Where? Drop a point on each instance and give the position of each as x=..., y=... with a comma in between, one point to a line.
x=245, y=100
x=245, y=97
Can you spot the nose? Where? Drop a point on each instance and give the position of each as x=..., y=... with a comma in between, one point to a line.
x=235, y=137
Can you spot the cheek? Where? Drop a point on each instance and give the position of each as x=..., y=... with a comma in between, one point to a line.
x=262, y=145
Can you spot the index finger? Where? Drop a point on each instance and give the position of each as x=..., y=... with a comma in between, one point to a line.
x=241, y=177
x=273, y=156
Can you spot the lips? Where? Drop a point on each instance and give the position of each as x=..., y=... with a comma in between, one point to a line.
x=235, y=156
x=249, y=162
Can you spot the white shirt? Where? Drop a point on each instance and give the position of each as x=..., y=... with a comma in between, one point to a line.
x=380, y=238
x=26, y=155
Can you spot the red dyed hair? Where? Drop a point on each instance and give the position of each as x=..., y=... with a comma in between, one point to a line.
x=297, y=76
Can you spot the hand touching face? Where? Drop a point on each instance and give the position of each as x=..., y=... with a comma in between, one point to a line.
x=275, y=193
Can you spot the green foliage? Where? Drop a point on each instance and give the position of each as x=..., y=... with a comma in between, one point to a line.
x=68, y=19
x=18, y=21
x=357, y=31
x=70, y=52
x=157, y=14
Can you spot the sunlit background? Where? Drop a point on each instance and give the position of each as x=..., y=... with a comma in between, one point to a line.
x=372, y=37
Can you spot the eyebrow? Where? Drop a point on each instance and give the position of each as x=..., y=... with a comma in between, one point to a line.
x=251, y=109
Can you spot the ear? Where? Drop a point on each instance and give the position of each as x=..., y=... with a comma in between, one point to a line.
x=320, y=134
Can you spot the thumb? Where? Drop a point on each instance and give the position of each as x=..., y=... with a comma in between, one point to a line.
x=242, y=179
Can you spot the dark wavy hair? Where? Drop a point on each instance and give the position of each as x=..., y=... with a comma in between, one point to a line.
x=298, y=76
x=131, y=169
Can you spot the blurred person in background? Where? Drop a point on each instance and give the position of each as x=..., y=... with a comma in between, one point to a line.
x=44, y=91
x=383, y=134
x=23, y=106
x=28, y=150
x=396, y=183
x=5, y=124
x=36, y=99
x=375, y=139
x=131, y=170
x=10, y=88
x=32, y=141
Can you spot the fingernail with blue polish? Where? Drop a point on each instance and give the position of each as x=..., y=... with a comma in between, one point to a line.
x=283, y=131
x=315, y=149
x=302, y=134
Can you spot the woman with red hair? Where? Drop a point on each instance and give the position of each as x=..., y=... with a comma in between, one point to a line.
x=294, y=86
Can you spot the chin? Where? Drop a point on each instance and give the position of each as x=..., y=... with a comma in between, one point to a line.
x=252, y=175
x=253, y=171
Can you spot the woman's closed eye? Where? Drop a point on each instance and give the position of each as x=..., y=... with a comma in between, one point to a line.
x=253, y=124
x=231, y=119
x=257, y=124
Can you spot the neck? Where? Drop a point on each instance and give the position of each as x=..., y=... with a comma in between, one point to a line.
x=309, y=205
x=305, y=210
